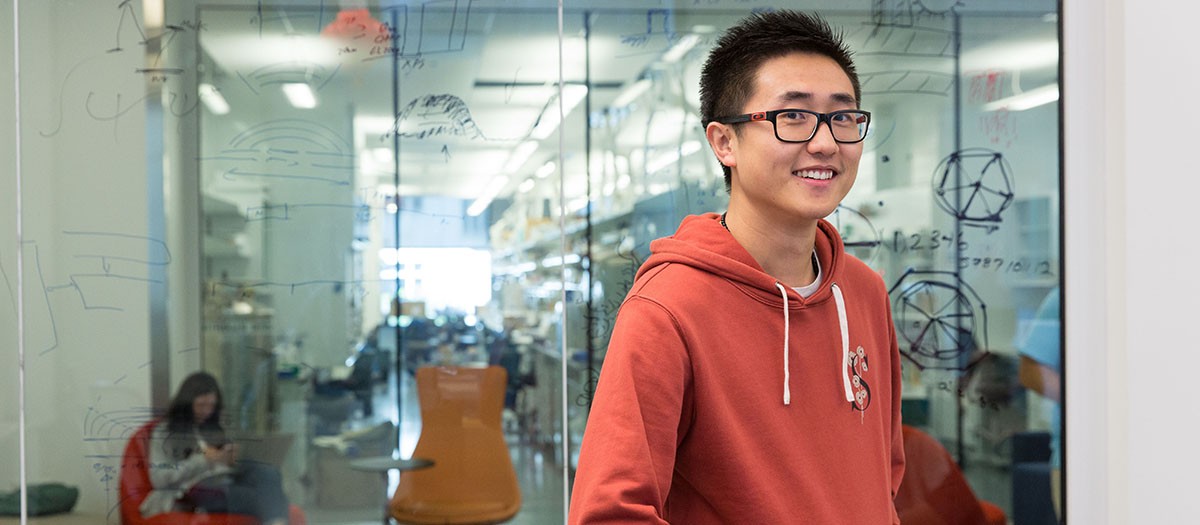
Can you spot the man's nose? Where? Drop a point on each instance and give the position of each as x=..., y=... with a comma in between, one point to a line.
x=823, y=141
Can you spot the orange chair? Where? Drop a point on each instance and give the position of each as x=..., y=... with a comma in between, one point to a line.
x=934, y=491
x=135, y=486
x=472, y=478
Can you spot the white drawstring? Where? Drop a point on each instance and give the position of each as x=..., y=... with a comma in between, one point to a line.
x=787, y=392
x=841, y=308
x=845, y=332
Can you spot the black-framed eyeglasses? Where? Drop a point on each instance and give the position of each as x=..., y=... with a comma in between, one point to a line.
x=800, y=125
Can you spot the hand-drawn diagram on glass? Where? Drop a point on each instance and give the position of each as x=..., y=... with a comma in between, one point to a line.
x=109, y=101
x=660, y=35
x=311, y=74
x=160, y=41
x=974, y=186
x=41, y=333
x=908, y=29
x=311, y=61
x=359, y=34
x=859, y=236
x=107, y=432
x=911, y=12
x=439, y=27
x=941, y=320
x=111, y=262
x=290, y=149
x=436, y=116
x=936, y=7
x=119, y=260
x=354, y=36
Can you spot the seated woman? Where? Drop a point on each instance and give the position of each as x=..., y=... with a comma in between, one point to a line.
x=194, y=467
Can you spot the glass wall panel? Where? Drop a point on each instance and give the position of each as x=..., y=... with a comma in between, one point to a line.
x=956, y=206
x=347, y=198
x=346, y=212
x=87, y=261
x=9, y=338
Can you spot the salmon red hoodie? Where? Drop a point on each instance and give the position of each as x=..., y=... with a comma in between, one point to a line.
x=725, y=397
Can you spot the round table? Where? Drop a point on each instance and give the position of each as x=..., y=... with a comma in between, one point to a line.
x=384, y=464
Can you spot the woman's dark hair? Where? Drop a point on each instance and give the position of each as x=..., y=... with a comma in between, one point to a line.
x=180, y=418
x=728, y=77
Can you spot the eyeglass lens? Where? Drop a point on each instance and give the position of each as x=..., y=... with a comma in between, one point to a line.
x=800, y=126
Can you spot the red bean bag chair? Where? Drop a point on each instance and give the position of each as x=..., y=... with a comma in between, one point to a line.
x=135, y=486
x=934, y=490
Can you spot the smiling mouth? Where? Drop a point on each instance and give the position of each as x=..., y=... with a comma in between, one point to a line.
x=814, y=174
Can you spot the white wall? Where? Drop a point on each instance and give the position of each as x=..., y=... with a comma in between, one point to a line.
x=1131, y=281
x=1161, y=284
x=1095, y=411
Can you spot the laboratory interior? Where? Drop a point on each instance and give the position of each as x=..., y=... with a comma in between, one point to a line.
x=398, y=232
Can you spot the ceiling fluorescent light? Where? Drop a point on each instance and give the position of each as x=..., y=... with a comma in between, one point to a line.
x=577, y=204
x=300, y=95
x=526, y=185
x=485, y=199
x=382, y=155
x=1014, y=57
x=1027, y=100
x=520, y=155
x=572, y=95
x=213, y=100
x=546, y=169
x=559, y=260
x=631, y=93
x=670, y=157
x=681, y=48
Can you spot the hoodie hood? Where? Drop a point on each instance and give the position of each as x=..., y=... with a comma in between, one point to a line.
x=703, y=243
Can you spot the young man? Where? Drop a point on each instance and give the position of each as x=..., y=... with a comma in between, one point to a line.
x=753, y=374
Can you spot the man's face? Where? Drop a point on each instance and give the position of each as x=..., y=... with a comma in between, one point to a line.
x=792, y=182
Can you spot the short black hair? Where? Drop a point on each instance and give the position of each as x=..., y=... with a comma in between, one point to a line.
x=727, y=79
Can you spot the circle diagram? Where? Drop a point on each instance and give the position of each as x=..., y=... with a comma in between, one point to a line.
x=859, y=236
x=940, y=319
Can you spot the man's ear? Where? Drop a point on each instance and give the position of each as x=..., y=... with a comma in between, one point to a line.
x=723, y=141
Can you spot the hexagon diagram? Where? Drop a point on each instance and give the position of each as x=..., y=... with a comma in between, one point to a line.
x=974, y=185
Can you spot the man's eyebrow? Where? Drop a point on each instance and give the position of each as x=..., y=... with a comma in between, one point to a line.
x=796, y=95
x=842, y=98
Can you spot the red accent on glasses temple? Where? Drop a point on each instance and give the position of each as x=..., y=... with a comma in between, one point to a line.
x=761, y=115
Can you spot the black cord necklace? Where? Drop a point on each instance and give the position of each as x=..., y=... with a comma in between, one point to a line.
x=726, y=226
